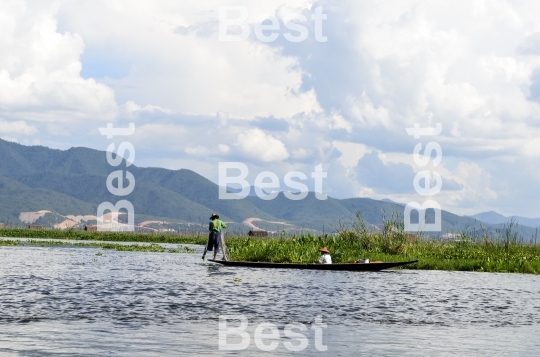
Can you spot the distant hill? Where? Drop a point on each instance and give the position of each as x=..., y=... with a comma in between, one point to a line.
x=390, y=201
x=73, y=182
x=16, y=197
x=36, y=177
x=492, y=217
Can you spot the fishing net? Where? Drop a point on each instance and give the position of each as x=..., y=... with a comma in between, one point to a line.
x=224, y=246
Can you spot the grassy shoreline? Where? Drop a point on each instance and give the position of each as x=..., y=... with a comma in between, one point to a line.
x=102, y=236
x=152, y=247
x=485, y=253
x=431, y=255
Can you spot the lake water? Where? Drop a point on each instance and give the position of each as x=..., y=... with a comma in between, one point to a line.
x=61, y=301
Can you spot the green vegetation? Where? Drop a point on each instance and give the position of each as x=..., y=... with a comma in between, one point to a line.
x=154, y=248
x=432, y=255
x=8, y=242
x=499, y=251
x=489, y=253
x=104, y=236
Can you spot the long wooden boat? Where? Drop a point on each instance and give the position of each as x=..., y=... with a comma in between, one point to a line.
x=346, y=266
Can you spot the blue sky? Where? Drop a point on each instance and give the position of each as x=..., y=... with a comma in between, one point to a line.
x=69, y=67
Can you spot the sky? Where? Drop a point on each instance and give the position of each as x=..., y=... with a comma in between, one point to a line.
x=342, y=96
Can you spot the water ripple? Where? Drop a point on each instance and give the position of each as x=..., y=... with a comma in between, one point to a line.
x=65, y=285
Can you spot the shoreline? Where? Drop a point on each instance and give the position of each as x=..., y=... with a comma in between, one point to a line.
x=126, y=246
x=102, y=236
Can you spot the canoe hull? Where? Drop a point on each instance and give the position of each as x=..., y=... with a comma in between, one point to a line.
x=346, y=267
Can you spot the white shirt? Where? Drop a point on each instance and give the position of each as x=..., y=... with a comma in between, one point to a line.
x=325, y=259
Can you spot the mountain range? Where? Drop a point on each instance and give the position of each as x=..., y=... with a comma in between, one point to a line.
x=492, y=217
x=72, y=183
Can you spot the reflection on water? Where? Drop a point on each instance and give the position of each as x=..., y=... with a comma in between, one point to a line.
x=65, y=301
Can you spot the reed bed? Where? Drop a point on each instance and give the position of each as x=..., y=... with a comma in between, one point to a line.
x=501, y=251
x=432, y=255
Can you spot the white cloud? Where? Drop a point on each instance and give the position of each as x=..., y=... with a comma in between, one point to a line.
x=300, y=153
x=224, y=148
x=39, y=68
x=351, y=152
x=471, y=65
x=189, y=73
x=197, y=151
x=17, y=127
x=161, y=136
x=9, y=138
x=257, y=145
x=58, y=129
x=130, y=109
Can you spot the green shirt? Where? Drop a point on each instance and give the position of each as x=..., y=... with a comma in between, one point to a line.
x=216, y=225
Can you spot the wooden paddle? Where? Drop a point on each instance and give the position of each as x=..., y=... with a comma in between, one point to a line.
x=206, y=247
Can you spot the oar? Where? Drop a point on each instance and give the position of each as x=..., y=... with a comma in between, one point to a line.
x=206, y=247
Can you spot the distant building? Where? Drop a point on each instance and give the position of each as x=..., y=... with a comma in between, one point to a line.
x=451, y=236
x=35, y=226
x=2, y=225
x=257, y=233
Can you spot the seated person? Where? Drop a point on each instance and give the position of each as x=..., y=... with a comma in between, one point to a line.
x=325, y=256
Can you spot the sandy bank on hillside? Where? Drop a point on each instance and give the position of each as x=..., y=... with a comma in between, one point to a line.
x=31, y=217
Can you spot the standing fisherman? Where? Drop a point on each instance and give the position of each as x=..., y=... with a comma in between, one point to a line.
x=214, y=227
